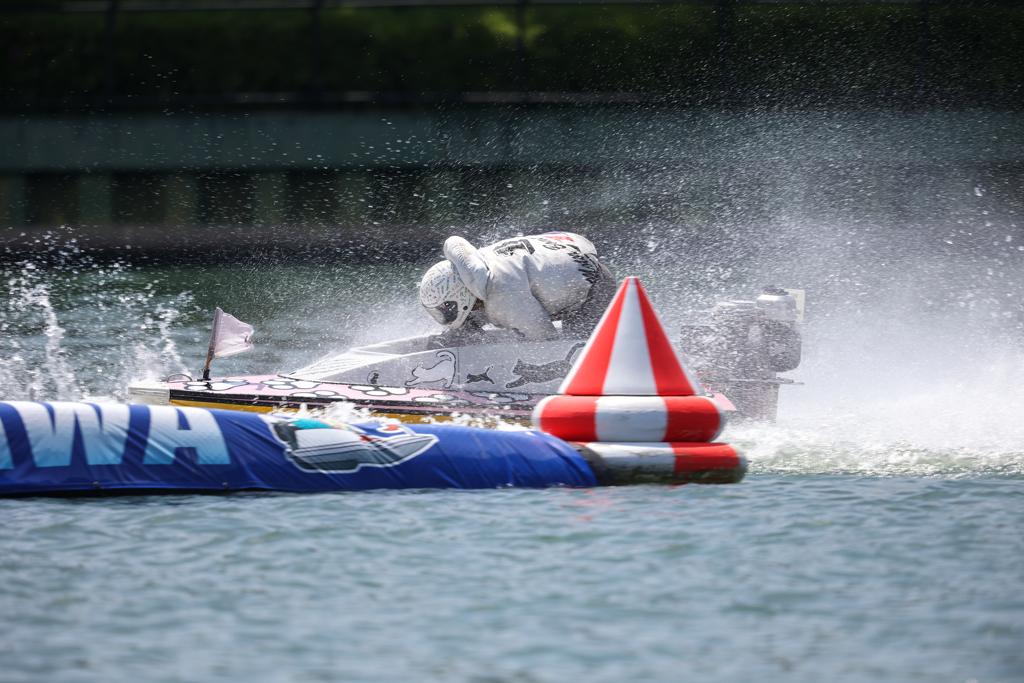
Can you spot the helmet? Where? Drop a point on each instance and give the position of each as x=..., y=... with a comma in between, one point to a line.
x=445, y=296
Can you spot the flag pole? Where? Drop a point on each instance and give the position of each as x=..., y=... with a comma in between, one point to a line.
x=213, y=344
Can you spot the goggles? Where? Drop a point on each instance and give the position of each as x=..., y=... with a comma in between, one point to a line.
x=446, y=313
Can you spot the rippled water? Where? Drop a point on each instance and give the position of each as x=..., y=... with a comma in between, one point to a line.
x=879, y=535
x=784, y=577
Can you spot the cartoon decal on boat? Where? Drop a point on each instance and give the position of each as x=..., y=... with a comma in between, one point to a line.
x=443, y=371
x=481, y=377
x=538, y=374
x=374, y=390
x=216, y=385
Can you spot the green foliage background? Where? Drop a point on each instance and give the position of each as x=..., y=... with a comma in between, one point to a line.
x=778, y=49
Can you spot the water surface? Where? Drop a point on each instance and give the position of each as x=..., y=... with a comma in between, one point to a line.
x=877, y=537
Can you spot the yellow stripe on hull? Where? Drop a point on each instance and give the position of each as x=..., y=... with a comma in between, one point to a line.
x=223, y=406
x=401, y=417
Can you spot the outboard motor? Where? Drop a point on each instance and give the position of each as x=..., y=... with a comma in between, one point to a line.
x=741, y=348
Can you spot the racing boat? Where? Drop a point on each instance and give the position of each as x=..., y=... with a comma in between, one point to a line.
x=737, y=349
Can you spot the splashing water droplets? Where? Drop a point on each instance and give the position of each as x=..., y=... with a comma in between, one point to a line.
x=66, y=328
x=34, y=372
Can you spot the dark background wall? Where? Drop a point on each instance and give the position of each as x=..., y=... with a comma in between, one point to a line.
x=782, y=51
x=313, y=126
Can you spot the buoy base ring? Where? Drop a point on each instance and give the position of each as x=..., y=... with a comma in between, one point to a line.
x=664, y=463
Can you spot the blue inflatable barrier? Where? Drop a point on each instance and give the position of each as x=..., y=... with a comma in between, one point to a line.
x=78, y=447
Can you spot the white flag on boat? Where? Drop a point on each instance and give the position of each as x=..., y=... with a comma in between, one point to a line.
x=230, y=336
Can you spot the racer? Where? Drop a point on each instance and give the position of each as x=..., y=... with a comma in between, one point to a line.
x=521, y=284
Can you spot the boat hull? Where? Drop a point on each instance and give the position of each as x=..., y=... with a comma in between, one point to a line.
x=273, y=393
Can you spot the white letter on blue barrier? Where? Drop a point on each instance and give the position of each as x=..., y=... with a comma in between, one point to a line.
x=203, y=435
x=103, y=428
x=49, y=438
x=6, y=461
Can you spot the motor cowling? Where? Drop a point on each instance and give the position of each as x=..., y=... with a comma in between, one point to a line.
x=742, y=345
x=781, y=345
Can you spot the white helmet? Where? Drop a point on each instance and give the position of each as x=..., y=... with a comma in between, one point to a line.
x=445, y=296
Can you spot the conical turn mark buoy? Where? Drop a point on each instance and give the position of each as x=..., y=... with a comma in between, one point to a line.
x=628, y=384
x=630, y=402
x=629, y=353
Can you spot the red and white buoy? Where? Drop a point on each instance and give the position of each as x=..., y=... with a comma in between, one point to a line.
x=629, y=402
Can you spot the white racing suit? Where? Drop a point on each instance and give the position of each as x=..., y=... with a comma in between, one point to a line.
x=527, y=282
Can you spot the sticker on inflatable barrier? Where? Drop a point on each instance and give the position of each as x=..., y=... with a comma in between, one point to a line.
x=313, y=445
